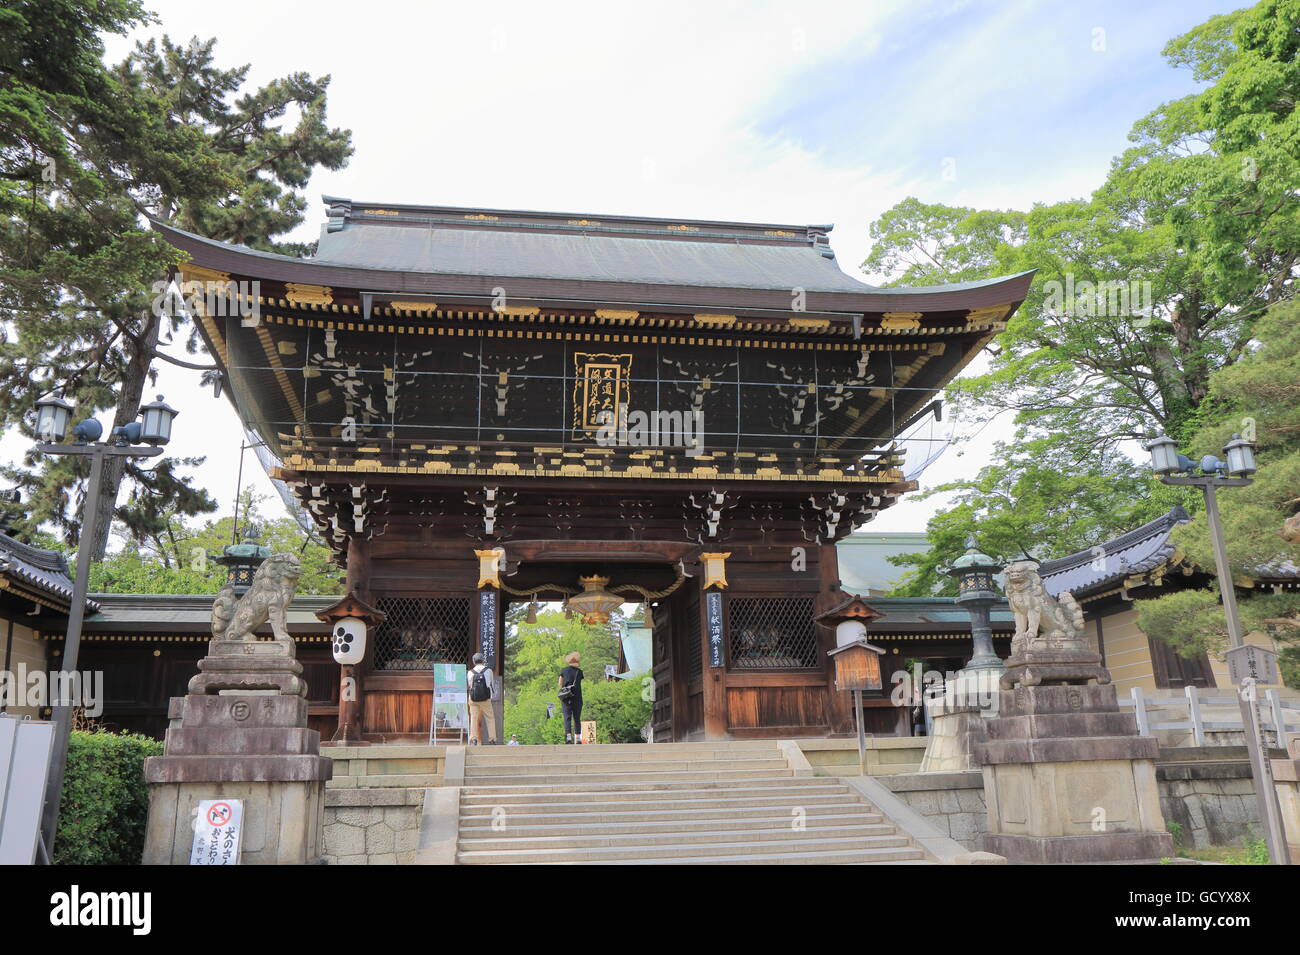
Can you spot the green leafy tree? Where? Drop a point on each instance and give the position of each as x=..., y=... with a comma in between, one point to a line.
x=179, y=559
x=1260, y=397
x=87, y=154
x=535, y=655
x=1203, y=212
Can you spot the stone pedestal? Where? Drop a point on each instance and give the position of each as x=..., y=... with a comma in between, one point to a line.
x=1286, y=778
x=957, y=721
x=1067, y=778
x=241, y=733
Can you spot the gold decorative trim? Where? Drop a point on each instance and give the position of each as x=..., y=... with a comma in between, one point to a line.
x=298, y=294
x=987, y=314
x=583, y=222
x=617, y=314
x=199, y=273
x=481, y=217
x=381, y=212
x=810, y=323
x=778, y=232
x=414, y=306
x=901, y=320
x=683, y=228
x=525, y=311
x=708, y=318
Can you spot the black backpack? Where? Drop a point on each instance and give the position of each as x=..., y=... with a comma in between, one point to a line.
x=480, y=690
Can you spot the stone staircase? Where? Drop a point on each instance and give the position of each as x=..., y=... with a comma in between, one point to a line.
x=737, y=803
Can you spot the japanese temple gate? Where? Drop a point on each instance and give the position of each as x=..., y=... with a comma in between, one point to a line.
x=696, y=410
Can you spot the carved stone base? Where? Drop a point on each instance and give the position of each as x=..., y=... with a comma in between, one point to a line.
x=241, y=666
x=1068, y=779
x=241, y=733
x=1048, y=667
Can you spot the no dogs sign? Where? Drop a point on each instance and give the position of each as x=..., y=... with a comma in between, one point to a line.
x=218, y=826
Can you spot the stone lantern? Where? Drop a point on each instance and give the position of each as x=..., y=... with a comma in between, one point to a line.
x=977, y=591
x=242, y=560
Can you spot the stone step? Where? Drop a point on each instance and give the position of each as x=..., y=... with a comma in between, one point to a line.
x=652, y=796
x=690, y=749
x=578, y=837
x=501, y=755
x=628, y=783
x=657, y=811
x=585, y=780
x=899, y=856
x=605, y=767
x=682, y=848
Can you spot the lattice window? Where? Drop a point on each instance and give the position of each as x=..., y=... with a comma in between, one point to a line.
x=422, y=631
x=772, y=633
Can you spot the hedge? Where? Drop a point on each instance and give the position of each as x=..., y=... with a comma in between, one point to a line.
x=105, y=799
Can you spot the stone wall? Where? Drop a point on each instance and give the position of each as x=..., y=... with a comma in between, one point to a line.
x=1206, y=790
x=372, y=826
x=885, y=755
x=953, y=802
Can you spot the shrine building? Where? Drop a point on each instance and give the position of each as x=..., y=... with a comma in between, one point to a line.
x=479, y=406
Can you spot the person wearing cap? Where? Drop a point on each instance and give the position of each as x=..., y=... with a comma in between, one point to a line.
x=514, y=740
x=482, y=687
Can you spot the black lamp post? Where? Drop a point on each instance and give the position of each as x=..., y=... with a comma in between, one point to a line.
x=52, y=415
x=1178, y=469
x=977, y=591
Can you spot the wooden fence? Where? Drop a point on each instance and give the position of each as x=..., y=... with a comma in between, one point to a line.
x=1276, y=715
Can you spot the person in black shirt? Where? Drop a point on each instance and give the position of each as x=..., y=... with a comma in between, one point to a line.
x=571, y=680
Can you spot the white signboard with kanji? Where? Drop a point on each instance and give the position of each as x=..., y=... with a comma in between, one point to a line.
x=1250, y=662
x=218, y=829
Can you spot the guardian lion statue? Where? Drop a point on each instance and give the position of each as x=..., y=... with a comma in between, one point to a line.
x=1042, y=623
x=268, y=598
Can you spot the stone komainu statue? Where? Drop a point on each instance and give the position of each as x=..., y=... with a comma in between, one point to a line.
x=268, y=598
x=1042, y=622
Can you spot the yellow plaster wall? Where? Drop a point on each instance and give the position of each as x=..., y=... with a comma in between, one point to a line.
x=26, y=649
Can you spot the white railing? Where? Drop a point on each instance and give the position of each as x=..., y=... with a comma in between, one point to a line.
x=1273, y=715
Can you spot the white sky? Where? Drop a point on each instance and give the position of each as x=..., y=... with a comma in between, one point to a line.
x=787, y=112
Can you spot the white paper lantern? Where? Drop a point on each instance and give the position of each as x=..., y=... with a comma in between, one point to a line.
x=349, y=641
x=849, y=631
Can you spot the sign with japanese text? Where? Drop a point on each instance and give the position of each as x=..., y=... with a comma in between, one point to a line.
x=218, y=829
x=1250, y=662
x=600, y=388
x=713, y=616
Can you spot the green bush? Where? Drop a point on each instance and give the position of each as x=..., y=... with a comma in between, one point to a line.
x=105, y=799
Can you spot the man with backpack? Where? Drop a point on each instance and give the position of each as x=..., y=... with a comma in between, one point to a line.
x=481, y=688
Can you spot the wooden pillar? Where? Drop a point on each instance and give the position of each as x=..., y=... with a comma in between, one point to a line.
x=352, y=677
x=839, y=706
x=713, y=636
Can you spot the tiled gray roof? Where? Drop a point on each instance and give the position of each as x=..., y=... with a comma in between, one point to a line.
x=45, y=571
x=186, y=613
x=382, y=246
x=1140, y=550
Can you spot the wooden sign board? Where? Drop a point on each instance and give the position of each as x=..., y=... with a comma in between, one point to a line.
x=713, y=615
x=487, y=627
x=589, y=731
x=1250, y=662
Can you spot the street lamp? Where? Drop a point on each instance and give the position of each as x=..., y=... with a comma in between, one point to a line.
x=52, y=416
x=1178, y=469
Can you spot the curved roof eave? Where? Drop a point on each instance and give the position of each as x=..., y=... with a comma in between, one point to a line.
x=241, y=260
